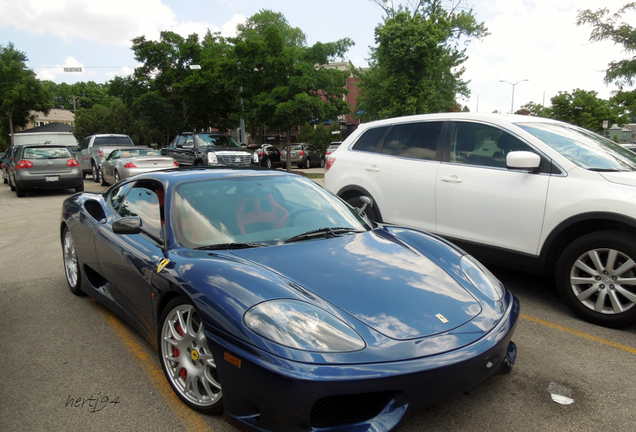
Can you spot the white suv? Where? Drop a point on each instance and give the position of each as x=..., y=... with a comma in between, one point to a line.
x=524, y=192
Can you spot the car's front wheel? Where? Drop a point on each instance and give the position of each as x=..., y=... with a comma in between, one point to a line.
x=596, y=276
x=186, y=358
x=71, y=264
x=102, y=181
x=268, y=163
x=117, y=178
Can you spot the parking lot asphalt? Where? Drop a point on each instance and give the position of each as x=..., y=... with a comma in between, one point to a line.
x=69, y=364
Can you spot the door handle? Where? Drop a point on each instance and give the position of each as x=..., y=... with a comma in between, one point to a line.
x=372, y=168
x=452, y=179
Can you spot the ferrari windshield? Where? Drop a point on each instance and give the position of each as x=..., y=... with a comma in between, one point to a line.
x=257, y=210
x=583, y=148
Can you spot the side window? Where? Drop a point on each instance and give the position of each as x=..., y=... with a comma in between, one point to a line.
x=189, y=141
x=114, y=155
x=179, y=141
x=478, y=144
x=413, y=140
x=370, y=140
x=144, y=202
x=118, y=195
x=85, y=144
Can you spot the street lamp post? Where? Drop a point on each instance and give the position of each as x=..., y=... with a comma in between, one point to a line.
x=512, y=104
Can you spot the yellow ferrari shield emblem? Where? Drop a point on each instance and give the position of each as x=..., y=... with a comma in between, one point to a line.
x=195, y=355
x=162, y=264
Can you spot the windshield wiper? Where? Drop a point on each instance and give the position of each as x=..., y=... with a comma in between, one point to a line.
x=322, y=232
x=230, y=246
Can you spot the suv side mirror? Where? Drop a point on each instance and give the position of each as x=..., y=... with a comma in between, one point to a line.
x=523, y=160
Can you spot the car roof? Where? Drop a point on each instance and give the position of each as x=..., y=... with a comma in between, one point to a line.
x=483, y=117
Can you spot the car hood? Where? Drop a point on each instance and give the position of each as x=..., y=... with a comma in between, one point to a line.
x=226, y=149
x=389, y=286
x=627, y=178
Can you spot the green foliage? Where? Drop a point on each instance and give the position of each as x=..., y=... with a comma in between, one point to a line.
x=582, y=108
x=416, y=67
x=20, y=91
x=79, y=95
x=284, y=83
x=114, y=118
x=537, y=110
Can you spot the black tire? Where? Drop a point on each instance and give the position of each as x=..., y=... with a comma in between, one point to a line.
x=372, y=213
x=95, y=173
x=589, y=275
x=101, y=178
x=11, y=185
x=307, y=163
x=71, y=263
x=4, y=180
x=79, y=188
x=19, y=191
x=117, y=179
x=177, y=346
x=322, y=162
x=268, y=163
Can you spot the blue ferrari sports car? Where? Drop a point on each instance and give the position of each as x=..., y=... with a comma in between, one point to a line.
x=273, y=301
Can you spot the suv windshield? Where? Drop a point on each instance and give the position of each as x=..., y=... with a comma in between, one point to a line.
x=583, y=148
x=215, y=140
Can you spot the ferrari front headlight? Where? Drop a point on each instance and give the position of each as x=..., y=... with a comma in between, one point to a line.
x=303, y=326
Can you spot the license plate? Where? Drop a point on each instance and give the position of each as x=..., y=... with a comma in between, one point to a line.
x=51, y=178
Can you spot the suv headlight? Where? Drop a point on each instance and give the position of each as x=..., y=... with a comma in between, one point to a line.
x=481, y=277
x=212, y=159
x=300, y=325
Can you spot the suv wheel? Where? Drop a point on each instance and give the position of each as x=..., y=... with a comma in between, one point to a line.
x=95, y=173
x=594, y=277
x=308, y=163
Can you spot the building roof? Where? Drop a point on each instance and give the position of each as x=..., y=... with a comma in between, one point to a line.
x=47, y=128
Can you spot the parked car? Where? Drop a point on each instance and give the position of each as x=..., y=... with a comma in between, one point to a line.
x=332, y=148
x=4, y=164
x=268, y=155
x=44, y=167
x=520, y=191
x=303, y=155
x=125, y=162
x=210, y=266
x=95, y=148
x=208, y=148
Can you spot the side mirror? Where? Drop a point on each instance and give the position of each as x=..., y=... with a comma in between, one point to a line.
x=523, y=160
x=366, y=202
x=127, y=225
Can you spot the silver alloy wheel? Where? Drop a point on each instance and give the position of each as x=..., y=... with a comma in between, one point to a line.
x=604, y=280
x=117, y=177
x=95, y=174
x=71, y=266
x=187, y=359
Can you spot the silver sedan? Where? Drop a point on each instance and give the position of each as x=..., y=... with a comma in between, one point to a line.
x=122, y=163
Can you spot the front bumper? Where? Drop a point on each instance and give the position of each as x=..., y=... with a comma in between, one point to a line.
x=265, y=393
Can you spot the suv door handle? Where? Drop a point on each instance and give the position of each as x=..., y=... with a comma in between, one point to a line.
x=452, y=179
x=372, y=168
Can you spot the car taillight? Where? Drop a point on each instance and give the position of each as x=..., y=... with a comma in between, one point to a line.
x=72, y=163
x=100, y=153
x=24, y=164
x=302, y=152
x=330, y=162
x=176, y=164
x=130, y=165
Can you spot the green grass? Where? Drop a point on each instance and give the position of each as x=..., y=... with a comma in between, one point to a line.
x=315, y=176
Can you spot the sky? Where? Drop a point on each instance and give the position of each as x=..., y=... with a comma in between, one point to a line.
x=533, y=40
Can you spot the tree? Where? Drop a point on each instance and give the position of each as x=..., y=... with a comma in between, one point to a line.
x=611, y=27
x=21, y=91
x=585, y=109
x=284, y=82
x=537, y=109
x=113, y=118
x=79, y=95
x=417, y=66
